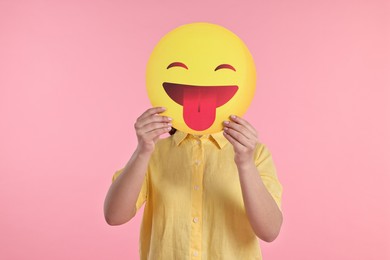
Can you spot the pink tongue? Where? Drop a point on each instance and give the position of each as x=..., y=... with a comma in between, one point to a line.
x=199, y=107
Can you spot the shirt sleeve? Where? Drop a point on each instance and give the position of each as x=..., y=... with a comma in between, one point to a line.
x=266, y=168
x=144, y=189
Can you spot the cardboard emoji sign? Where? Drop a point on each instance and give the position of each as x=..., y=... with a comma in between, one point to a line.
x=202, y=73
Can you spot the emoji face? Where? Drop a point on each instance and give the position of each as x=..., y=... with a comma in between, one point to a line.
x=202, y=73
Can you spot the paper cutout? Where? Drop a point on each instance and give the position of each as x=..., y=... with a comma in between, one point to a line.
x=202, y=73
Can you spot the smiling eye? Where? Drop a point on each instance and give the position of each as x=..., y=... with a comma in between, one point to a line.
x=225, y=66
x=177, y=64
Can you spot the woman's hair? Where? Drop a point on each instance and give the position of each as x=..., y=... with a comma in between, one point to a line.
x=173, y=131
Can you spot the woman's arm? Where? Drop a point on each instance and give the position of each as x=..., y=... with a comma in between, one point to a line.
x=121, y=198
x=262, y=211
x=120, y=202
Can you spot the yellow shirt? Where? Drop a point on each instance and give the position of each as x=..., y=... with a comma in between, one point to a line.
x=194, y=207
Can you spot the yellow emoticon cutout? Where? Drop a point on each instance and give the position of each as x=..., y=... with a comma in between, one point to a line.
x=202, y=73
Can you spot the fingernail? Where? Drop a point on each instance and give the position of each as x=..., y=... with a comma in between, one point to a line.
x=226, y=122
x=225, y=128
x=169, y=124
x=170, y=119
x=233, y=116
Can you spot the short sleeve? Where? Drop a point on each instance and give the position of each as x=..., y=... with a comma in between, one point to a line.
x=144, y=189
x=266, y=168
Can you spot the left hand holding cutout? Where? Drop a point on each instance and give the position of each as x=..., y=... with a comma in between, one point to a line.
x=243, y=137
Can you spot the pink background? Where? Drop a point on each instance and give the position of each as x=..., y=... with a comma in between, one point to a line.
x=72, y=85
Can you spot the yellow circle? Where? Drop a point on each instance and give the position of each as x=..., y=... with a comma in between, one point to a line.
x=201, y=73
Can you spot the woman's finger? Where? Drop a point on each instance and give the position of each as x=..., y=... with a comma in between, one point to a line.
x=245, y=123
x=239, y=137
x=154, y=126
x=153, y=118
x=239, y=128
x=151, y=111
x=154, y=134
x=233, y=141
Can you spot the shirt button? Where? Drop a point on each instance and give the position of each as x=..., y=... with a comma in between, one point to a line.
x=196, y=187
x=196, y=220
x=196, y=253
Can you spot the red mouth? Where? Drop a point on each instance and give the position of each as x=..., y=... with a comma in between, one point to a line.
x=199, y=102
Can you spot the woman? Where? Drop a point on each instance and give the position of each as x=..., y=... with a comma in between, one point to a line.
x=207, y=197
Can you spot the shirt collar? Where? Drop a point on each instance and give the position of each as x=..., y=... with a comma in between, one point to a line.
x=217, y=138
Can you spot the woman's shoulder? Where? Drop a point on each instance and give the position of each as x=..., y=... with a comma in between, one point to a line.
x=262, y=150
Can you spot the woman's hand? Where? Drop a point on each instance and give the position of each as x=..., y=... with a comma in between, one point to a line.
x=243, y=137
x=149, y=126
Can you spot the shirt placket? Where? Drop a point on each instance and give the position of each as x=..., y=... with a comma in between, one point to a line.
x=196, y=199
